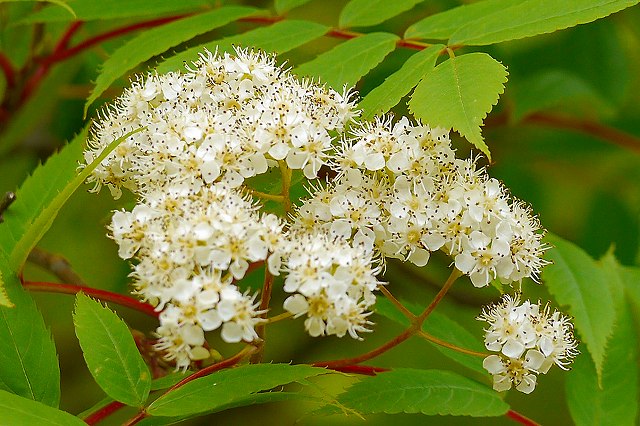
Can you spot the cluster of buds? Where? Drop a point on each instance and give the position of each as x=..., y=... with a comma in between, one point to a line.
x=529, y=339
x=197, y=228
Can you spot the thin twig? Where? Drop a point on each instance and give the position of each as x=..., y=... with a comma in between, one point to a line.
x=103, y=412
x=407, y=313
x=446, y=344
x=5, y=202
x=7, y=70
x=265, y=298
x=99, y=294
x=56, y=264
x=514, y=415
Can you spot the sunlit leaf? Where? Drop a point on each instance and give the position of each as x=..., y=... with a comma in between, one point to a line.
x=283, y=6
x=533, y=17
x=28, y=359
x=19, y=411
x=363, y=13
x=157, y=40
x=442, y=25
x=349, y=61
x=60, y=3
x=577, y=281
x=387, y=95
x=227, y=387
x=111, y=353
x=459, y=93
x=91, y=10
x=431, y=392
x=280, y=37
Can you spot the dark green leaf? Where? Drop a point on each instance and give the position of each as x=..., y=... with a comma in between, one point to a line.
x=110, y=352
x=615, y=403
x=283, y=6
x=364, y=13
x=28, y=359
x=157, y=40
x=552, y=88
x=442, y=25
x=279, y=37
x=91, y=10
x=388, y=94
x=228, y=387
x=441, y=327
x=577, y=281
x=431, y=392
x=351, y=60
x=533, y=17
x=459, y=93
x=18, y=411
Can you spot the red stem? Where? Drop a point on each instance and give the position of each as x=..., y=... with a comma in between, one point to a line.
x=514, y=415
x=7, y=70
x=104, y=295
x=103, y=412
x=360, y=369
x=66, y=37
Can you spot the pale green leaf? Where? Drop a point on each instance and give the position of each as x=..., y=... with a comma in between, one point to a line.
x=364, y=13
x=154, y=41
x=111, y=353
x=18, y=411
x=533, y=17
x=615, y=403
x=228, y=387
x=552, y=88
x=431, y=392
x=92, y=10
x=459, y=93
x=349, y=61
x=280, y=37
x=577, y=281
x=41, y=197
x=60, y=3
x=283, y=6
x=4, y=297
x=28, y=359
x=388, y=94
x=441, y=327
x=442, y=25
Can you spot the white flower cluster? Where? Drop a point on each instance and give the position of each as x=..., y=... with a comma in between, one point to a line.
x=229, y=118
x=401, y=190
x=529, y=339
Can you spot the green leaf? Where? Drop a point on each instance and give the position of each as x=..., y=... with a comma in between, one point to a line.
x=228, y=387
x=390, y=92
x=4, y=297
x=552, y=88
x=441, y=327
x=364, y=13
x=280, y=37
x=615, y=403
x=283, y=6
x=254, y=399
x=28, y=359
x=60, y=3
x=157, y=40
x=351, y=60
x=168, y=380
x=459, y=93
x=41, y=197
x=91, y=10
x=577, y=281
x=18, y=411
x=431, y=392
x=442, y=25
x=534, y=17
x=110, y=352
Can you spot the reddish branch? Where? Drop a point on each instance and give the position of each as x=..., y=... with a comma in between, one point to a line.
x=7, y=70
x=103, y=295
x=514, y=415
x=103, y=412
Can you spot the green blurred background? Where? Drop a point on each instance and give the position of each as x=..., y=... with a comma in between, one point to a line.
x=583, y=188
